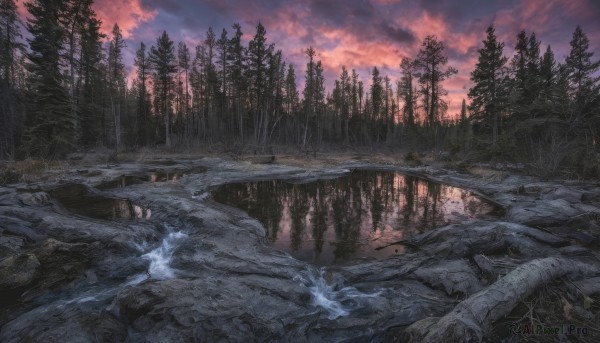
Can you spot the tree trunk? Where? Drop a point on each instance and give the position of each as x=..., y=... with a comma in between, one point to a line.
x=471, y=319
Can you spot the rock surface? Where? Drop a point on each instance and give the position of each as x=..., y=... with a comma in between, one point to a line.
x=196, y=270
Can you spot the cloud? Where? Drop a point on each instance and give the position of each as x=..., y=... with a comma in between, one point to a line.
x=359, y=34
x=129, y=14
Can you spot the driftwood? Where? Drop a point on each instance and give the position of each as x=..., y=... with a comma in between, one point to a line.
x=472, y=318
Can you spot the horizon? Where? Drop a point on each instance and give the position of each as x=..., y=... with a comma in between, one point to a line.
x=357, y=34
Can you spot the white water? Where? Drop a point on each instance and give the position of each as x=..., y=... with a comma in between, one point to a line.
x=159, y=269
x=338, y=303
x=160, y=258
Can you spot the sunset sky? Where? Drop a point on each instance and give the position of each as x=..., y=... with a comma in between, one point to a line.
x=360, y=34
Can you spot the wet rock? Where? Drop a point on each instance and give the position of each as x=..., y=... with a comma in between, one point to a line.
x=18, y=271
x=34, y=199
x=63, y=262
x=453, y=276
x=229, y=284
x=121, y=267
x=10, y=245
x=60, y=322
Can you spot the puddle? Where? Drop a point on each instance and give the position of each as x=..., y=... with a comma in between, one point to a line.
x=334, y=221
x=76, y=198
x=172, y=176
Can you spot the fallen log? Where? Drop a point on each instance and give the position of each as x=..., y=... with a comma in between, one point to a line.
x=471, y=319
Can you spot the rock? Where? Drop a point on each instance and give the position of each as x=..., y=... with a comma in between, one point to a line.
x=63, y=262
x=18, y=271
x=226, y=281
x=34, y=199
x=453, y=276
x=10, y=245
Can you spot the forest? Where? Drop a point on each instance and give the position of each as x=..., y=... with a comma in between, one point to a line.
x=64, y=87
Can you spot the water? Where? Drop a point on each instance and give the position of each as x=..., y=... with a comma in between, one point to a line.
x=160, y=258
x=337, y=302
x=336, y=221
x=159, y=269
x=77, y=198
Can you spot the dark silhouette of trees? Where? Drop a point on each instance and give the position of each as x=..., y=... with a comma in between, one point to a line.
x=10, y=47
x=64, y=90
x=488, y=83
x=162, y=60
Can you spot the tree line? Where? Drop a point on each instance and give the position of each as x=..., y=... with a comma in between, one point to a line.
x=65, y=88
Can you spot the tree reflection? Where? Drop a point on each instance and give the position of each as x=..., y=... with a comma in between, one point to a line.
x=332, y=220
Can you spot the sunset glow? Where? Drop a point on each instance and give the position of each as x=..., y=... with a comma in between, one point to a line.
x=359, y=34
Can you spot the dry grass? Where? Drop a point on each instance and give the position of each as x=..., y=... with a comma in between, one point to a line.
x=487, y=173
x=30, y=170
x=554, y=305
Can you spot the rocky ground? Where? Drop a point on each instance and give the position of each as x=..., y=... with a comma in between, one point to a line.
x=184, y=268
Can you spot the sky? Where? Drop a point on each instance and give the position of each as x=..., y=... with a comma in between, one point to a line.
x=359, y=34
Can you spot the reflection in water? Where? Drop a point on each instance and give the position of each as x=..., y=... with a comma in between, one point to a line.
x=332, y=221
x=76, y=199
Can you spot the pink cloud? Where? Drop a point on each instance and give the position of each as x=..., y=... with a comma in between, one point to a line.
x=128, y=14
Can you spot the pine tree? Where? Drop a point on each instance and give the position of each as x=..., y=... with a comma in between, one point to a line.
x=526, y=79
x=309, y=91
x=319, y=98
x=142, y=64
x=345, y=90
x=430, y=61
x=211, y=87
x=10, y=33
x=89, y=84
x=51, y=126
x=406, y=92
x=183, y=54
x=163, y=63
x=9, y=46
x=237, y=52
x=376, y=102
x=257, y=67
x=582, y=77
x=116, y=82
x=291, y=99
x=485, y=95
x=223, y=61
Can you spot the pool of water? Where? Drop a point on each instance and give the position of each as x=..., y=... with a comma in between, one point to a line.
x=76, y=198
x=340, y=220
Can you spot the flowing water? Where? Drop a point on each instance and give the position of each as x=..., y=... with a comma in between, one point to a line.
x=335, y=221
x=338, y=302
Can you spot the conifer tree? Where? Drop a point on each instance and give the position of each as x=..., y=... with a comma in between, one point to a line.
x=237, y=53
x=485, y=95
x=406, y=92
x=10, y=34
x=89, y=84
x=51, y=125
x=183, y=59
x=430, y=61
x=116, y=82
x=582, y=77
x=142, y=63
x=309, y=91
x=163, y=63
